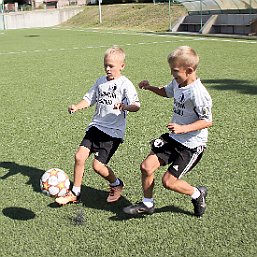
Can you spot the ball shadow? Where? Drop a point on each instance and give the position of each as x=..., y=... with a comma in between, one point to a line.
x=18, y=213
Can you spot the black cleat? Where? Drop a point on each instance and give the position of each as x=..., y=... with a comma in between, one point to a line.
x=138, y=208
x=200, y=202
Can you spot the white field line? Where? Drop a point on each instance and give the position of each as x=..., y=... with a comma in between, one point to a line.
x=247, y=41
x=89, y=47
x=184, y=39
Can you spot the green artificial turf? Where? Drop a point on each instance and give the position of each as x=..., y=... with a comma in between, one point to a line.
x=45, y=70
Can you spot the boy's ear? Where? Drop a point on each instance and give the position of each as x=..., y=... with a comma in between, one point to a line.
x=190, y=70
x=122, y=66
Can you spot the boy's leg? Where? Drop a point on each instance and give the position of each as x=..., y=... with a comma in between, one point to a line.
x=183, y=162
x=116, y=185
x=73, y=196
x=148, y=167
x=104, y=171
x=81, y=156
x=198, y=194
x=180, y=186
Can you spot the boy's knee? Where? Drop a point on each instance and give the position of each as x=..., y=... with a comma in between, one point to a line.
x=145, y=169
x=97, y=166
x=150, y=165
x=79, y=158
x=168, y=181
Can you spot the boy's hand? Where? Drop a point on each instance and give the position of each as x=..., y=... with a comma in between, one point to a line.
x=119, y=106
x=72, y=109
x=175, y=128
x=144, y=84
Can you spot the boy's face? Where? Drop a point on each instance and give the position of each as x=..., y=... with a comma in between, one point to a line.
x=180, y=73
x=113, y=66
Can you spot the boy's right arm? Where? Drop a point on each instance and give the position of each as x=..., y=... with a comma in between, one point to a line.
x=144, y=84
x=76, y=107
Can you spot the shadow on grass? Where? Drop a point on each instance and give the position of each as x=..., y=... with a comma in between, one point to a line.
x=96, y=199
x=242, y=86
x=32, y=173
x=90, y=197
x=32, y=35
x=173, y=209
x=18, y=213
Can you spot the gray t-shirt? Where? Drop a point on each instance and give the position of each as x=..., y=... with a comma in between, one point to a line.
x=191, y=103
x=105, y=94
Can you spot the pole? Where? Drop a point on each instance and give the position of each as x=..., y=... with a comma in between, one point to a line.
x=2, y=12
x=201, y=14
x=170, y=13
x=100, y=11
x=169, y=17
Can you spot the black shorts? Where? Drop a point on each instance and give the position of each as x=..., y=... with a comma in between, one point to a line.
x=103, y=145
x=181, y=158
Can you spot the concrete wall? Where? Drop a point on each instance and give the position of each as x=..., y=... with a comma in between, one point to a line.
x=236, y=24
x=237, y=19
x=254, y=28
x=38, y=18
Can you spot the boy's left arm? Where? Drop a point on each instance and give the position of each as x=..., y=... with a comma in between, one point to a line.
x=130, y=101
x=134, y=107
x=181, y=129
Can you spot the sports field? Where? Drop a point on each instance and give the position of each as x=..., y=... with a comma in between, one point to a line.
x=45, y=70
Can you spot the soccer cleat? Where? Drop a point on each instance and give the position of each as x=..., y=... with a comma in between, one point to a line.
x=200, y=202
x=68, y=198
x=138, y=208
x=115, y=193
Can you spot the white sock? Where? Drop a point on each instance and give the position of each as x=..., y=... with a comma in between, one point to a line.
x=115, y=183
x=196, y=193
x=148, y=202
x=76, y=190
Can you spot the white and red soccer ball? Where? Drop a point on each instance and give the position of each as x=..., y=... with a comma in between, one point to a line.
x=55, y=182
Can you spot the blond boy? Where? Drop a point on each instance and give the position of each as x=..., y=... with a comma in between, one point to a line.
x=182, y=147
x=113, y=96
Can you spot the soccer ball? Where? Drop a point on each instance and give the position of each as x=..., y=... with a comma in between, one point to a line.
x=55, y=182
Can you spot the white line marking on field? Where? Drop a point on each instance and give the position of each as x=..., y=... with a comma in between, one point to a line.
x=92, y=47
x=246, y=41
x=183, y=39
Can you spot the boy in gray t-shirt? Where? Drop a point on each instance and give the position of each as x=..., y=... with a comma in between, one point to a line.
x=113, y=96
x=183, y=146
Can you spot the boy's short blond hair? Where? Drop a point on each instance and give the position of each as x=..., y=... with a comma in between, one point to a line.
x=185, y=56
x=117, y=51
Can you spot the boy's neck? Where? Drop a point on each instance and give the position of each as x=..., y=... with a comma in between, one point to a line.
x=109, y=79
x=188, y=81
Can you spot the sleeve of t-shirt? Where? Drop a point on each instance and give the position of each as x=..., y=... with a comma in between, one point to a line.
x=169, y=89
x=90, y=96
x=131, y=94
x=203, y=105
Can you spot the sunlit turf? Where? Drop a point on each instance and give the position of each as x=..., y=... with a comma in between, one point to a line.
x=45, y=70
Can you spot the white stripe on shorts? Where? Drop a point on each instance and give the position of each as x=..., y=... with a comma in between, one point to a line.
x=192, y=161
